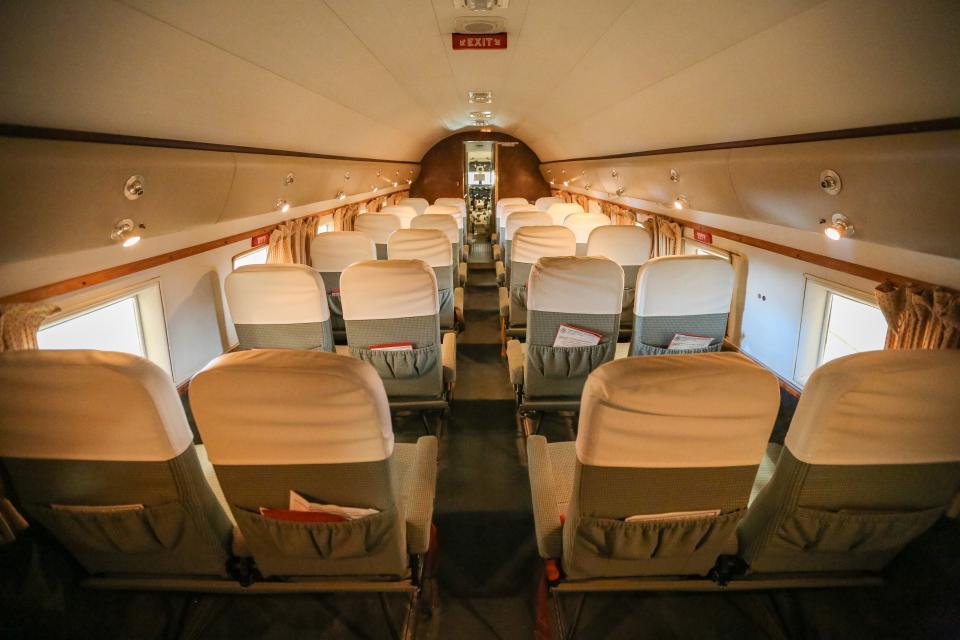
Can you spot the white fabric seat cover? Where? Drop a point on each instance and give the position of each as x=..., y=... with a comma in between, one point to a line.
x=583, y=223
x=575, y=285
x=560, y=210
x=337, y=250
x=450, y=210
x=459, y=203
x=430, y=245
x=502, y=202
x=276, y=294
x=417, y=204
x=624, y=244
x=699, y=410
x=89, y=405
x=519, y=219
x=893, y=407
x=544, y=203
x=532, y=243
x=443, y=222
x=283, y=407
x=385, y=289
x=684, y=286
x=405, y=213
x=377, y=226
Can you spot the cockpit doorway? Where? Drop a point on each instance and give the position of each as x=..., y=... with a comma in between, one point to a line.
x=480, y=176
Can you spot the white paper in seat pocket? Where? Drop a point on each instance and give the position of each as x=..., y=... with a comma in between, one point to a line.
x=299, y=503
x=674, y=515
x=684, y=341
x=110, y=508
x=571, y=336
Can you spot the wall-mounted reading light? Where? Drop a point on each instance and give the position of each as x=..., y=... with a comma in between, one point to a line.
x=374, y=188
x=283, y=205
x=133, y=187
x=840, y=227
x=125, y=232
x=395, y=183
x=830, y=182
x=674, y=175
x=588, y=186
x=613, y=173
x=288, y=179
x=620, y=190
x=566, y=183
x=681, y=202
x=341, y=195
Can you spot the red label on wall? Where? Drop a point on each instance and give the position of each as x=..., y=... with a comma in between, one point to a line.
x=702, y=236
x=489, y=41
x=260, y=240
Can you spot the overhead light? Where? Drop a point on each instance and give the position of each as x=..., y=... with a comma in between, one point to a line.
x=133, y=187
x=681, y=202
x=840, y=227
x=341, y=195
x=566, y=183
x=409, y=181
x=374, y=188
x=480, y=123
x=486, y=130
x=480, y=115
x=283, y=205
x=395, y=183
x=125, y=232
x=288, y=179
x=674, y=175
x=620, y=190
x=587, y=186
x=481, y=5
x=613, y=173
x=480, y=97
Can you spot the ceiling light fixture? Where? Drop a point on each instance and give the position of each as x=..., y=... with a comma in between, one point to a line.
x=288, y=179
x=480, y=97
x=481, y=6
x=674, y=175
x=283, y=205
x=480, y=115
x=681, y=202
x=133, y=187
x=374, y=188
x=566, y=183
x=620, y=190
x=840, y=227
x=126, y=233
x=587, y=186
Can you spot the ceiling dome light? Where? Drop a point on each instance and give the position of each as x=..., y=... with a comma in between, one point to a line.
x=283, y=205
x=126, y=233
x=840, y=227
x=680, y=202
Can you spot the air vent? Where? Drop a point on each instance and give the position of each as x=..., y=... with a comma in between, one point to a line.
x=479, y=25
x=481, y=5
x=481, y=97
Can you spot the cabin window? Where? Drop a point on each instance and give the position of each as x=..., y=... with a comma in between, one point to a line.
x=837, y=321
x=694, y=248
x=257, y=255
x=324, y=228
x=129, y=322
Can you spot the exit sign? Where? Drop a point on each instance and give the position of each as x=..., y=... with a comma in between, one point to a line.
x=488, y=41
x=260, y=240
x=702, y=236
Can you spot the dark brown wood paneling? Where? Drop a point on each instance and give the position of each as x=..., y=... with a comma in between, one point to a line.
x=441, y=169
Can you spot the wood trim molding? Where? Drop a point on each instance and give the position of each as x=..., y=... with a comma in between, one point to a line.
x=46, y=133
x=112, y=273
x=877, y=275
x=921, y=126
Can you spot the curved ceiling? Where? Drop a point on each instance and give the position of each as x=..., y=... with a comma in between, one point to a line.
x=379, y=79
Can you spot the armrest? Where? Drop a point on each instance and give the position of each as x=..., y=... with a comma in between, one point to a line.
x=551, y=468
x=448, y=356
x=466, y=251
x=497, y=253
x=493, y=237
x=516, y=355
x=462, y=272
x=458, y=300
x=501, y=273
x=504, y=295
x=416, y=469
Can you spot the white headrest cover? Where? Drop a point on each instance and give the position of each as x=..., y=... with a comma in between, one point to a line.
x=281, y=407
x=880, y=407
x=502, y=202
x=459, y=203
x=418, y=204
x=624, y=244
x=576, y=285
x=583, y=223
x=440, y=209
x=385, y=289
x=378, y=226
x=443, y=222
x=684, y=286
x=696, y=410
x=276, y=294
x=517, y=219
x=430, y=245
x=560, y=210
x=88, y=405
x=405, y=213
x=544, y=203
x=532, y=243
x=337, y=250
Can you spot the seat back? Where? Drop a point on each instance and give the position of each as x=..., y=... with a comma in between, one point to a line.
x=446, y=223
x=378, y=227
x=99, y=452
x=279, y=306
x=543, y=204
x=330, y=254
x=507, y=211
x=584, y=293
x=459, y=215
x=314, y=423
x=582, y=224
x=418, y=204
x=629, y=246
x=504, y=202
x=406, y=213
x=527, y=246
x=560, y=210
x=389, y=302
x=681, y=294
x=871, y=461
x=517, y=219
x=459, y=203
x=685, y=467
x=433, y=247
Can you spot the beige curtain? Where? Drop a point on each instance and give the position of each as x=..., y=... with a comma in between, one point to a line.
x=667, y=236
x=920, y=317
x=290, y=241
x=19, y=323
x=583, y=201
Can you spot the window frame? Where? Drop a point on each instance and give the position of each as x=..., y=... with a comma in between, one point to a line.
x=151, y=317
x=707, y=249
x=247, y=252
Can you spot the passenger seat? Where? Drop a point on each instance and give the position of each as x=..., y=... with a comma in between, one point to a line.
x=405, y=213
x=378, y=227
x=418, y=204
x=433, y=247
x=330, y=254
x=629, y=246
x=279, y=306
x=582, y=224
x=559, y=211
x=448, y=225
x=515, y=220
x=543, y=204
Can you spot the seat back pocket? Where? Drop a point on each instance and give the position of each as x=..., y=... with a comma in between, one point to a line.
x=568, y=362
x=400, y=365
x=849, y=531
x=151, y=529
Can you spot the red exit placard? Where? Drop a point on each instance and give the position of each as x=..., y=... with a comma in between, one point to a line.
x=260, y=240
x=488, y=41
x=702, y=236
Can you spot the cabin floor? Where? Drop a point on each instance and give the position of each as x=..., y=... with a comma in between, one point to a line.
x=488, y=567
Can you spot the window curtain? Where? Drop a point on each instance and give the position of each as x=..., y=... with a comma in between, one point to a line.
x=920, y=317
x=583, y=201
x=290, y=241
x=667, y=236
x=19, y=323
